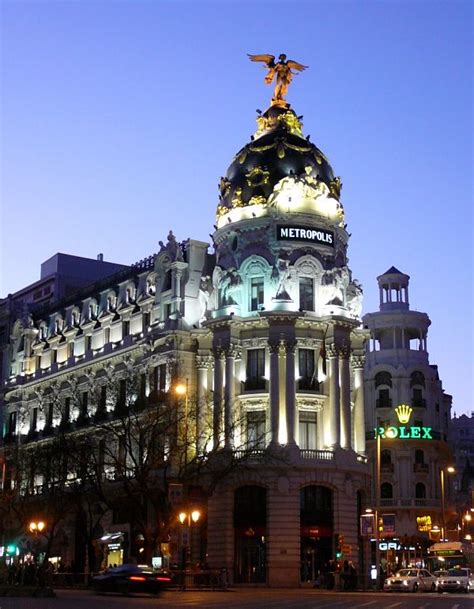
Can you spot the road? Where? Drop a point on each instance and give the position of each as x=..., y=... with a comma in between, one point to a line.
x=246, y=599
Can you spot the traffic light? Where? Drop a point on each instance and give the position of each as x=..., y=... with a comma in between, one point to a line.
x=339, y=539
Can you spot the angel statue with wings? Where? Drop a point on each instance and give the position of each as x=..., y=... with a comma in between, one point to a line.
x=281, y=71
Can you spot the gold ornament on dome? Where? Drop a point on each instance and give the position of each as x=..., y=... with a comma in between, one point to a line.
x=281, y=73
x=237, y=198
x=242, y=155
x=257, y=200
x=335, y=186
x=224, y=186
x=257, y=177
x=221, y=211
x=288, y=120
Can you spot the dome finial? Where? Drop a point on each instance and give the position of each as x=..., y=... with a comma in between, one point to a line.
x=281, y=72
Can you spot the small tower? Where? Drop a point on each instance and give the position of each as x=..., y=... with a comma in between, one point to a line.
x=393, y=290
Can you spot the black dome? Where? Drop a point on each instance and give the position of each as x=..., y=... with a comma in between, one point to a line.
x=278, y=150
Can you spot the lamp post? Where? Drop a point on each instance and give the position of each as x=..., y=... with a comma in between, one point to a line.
x=182, y=389
x=449, y=470
x=377, y=508
x=36, y=527
x=187, y=519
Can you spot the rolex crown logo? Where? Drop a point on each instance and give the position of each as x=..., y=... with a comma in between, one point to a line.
x=403, y=413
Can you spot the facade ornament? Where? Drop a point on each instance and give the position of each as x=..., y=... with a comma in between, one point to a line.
x=290, y=345
x=203, y=361
x=358, y=361
x=274, y=345
x=173, y=248
x=284, y=277
x=234, y=351
x=354, y=295
x=335, y=186
x=281, y=73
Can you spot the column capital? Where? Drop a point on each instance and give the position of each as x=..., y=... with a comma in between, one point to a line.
x=290, y=345
x=343, y=351
x=274, y=345
x=203, y=361
x=233, y=351
x=357, y=361
x=218, y=352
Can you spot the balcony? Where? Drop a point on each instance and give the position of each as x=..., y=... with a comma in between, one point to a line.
x=255, y=384
x=421, y=468
x=318, y=455
x=383, y=403
x=410, y=503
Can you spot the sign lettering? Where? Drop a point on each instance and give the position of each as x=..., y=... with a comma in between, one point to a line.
x=404, y=433
x=302, y=233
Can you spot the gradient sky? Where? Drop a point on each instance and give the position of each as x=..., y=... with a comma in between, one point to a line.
x=118, y=119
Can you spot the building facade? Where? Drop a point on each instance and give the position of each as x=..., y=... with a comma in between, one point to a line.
x=408, y=409
x=268, y=438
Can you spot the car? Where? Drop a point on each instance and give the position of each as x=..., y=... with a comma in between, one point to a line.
x=458, y=579
x=411, y=580
x=127, y=579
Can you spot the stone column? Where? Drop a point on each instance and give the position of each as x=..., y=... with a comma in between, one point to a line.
x=359, y=407
x=290, y=389
x=218, y=382
x=202, y=364
x=274, y=390
x=231, y=353
x=334, y=397
x=345, y=396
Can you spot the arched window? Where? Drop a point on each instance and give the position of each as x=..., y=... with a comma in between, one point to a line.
x=386, y=490
x=316, y=505
x=420, y=491
x=383, y=385
x=385, y=457
x=419, y=457
x=417, y=384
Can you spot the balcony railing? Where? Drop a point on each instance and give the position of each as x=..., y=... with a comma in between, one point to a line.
x=410, y=502
x=383, y=402
x=319, y=455
x=421, y=468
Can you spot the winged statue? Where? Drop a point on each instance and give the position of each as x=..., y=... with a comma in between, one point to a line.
x=281, y=72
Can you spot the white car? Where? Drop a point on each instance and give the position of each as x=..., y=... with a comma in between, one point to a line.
x=411, y=580
x=458, y=579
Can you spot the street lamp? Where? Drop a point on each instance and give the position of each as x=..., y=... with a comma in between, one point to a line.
x=36, y=527
x=449, y=470
x=187, y=519
x=182, y=390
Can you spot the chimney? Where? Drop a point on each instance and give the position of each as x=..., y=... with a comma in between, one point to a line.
x=100, y=257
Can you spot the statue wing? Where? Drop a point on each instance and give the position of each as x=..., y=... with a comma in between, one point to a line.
x=295, y=65
x=269, y=60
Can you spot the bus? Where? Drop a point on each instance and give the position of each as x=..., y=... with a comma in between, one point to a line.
x=445, y=555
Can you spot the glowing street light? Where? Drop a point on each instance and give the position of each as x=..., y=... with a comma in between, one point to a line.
x=36, y=527
x=181, y=389
x=449, y=470
x=187, y=519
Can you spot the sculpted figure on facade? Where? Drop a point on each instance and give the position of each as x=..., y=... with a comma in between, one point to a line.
x=354, y=298
x=284, y=277
x=334, y=284
x=172, y=247
x=281, y=72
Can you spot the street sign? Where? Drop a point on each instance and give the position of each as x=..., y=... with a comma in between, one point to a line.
x=367, y=524
x=346, y=549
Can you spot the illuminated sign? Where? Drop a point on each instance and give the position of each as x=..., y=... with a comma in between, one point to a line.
x=403, y=413
x=302, y=233
x=423, y=523
x=404, y=433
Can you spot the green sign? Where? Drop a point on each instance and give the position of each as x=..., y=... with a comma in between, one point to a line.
x=403, y=433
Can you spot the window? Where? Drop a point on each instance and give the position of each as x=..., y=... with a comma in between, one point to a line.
x=307, y=294
x=417, y=378
x=307, y=429
x=420, y=491
x=33, y=419
x=419, y=457
x=383, y=378
x=255, y=369
x=12, y=423
x=122, y=396
x=103, y=399
x=67, y=410
x=386, y=491
x=417, y=398
x=84, y=404
x=307, y=370
x=125, y=328
x=256, y=430
x=256, y=293
x=384, y=400
x=385, y=457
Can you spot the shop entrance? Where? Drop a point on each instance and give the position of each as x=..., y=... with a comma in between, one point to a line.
x=250, y=521
x=316, y=520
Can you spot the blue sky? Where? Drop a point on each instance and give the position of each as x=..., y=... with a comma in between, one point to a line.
x=118, y=119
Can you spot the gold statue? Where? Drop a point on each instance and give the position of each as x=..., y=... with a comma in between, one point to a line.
x=281, y=71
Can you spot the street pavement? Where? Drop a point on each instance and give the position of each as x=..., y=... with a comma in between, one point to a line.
x=245, y=599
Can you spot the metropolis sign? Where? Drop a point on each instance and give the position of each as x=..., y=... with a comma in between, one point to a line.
x=302, y=233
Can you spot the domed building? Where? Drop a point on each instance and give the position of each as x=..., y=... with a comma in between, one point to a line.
x=263, y=338
x=288, y=357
